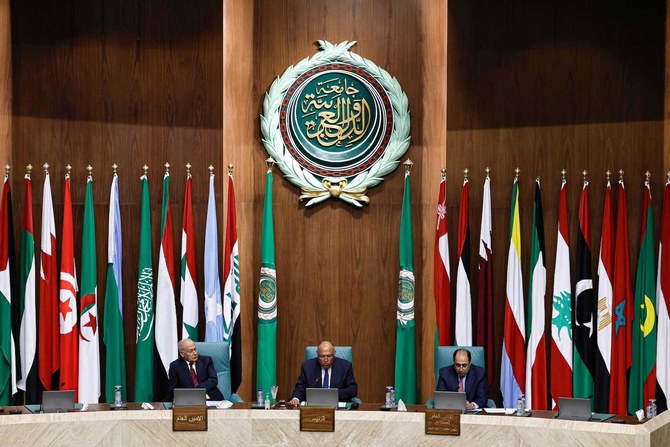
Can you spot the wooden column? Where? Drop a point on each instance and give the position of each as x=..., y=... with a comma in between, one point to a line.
x=5, y=83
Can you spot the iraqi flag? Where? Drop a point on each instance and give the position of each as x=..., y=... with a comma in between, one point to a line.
x=663, y=307
x=463, y=333
x=231, y=290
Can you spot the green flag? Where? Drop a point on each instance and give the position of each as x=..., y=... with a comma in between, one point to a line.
x=266, y=369
x=144, y=365
x=405, y=348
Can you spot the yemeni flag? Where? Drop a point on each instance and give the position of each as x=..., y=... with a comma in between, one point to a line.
x=188, y=292
x=49, y=345
x=463, y=333
x=622, y=305
x=513, y=361
x=214, y=329
x=441, y=272
x=144, y=337
x=166, y=313
x=485, y=295
x=231, y=290
x=405, y=347
x=28, y=311
x=604, y=326
x=69, y=332
x=536, y=359
x=642, y=386
x=7, y=347
x=584, y=326
x=115, y=354
x=266, y=362
x=663, y=294
x=89, y=349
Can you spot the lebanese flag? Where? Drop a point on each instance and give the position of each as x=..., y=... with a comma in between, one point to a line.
x=463, y=334
x=441, y=271
x=485, y=293
x=663, y=306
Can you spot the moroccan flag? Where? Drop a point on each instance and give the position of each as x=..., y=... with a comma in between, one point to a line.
x=7, y=347
x=663, y=294
x=49, y=345
x=166, y=313
x=405, y=347
x=622, y=305
x=604, y=309
x=642, y=386
x=584, y=326
x=188, y=292
x=144, y=337
x=485, y=295
x=266, y=369
x=512, y=364
x=69, y=332
x=536, y=358
x=463, y=333
x=214, y=329
x=115, y=363
x=441, y=273
x=89, y=348
x=231, y=290
x=28, y=338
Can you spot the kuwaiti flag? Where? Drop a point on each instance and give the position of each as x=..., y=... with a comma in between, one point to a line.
x=560, y=382
x=663, y=307
x=485, y=295
x=231, y=290
x=513, y=362
x=89, y=347
x=536, y=357
x=441, y=272
x=463, y=333
x=69, y=332
x=7, y=347
x=188, y=292
x=214, y=329
x=604, y=324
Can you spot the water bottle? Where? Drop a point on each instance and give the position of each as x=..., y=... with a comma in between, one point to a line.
x=267, y=401
x=392, y=397
x=653, y=407
x=259, y=396
x=118, y=401
x=387, y=401
x=650, y=413
x=521, y=405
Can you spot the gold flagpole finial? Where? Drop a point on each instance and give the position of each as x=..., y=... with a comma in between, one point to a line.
x=466, y=171
x=408, y=165
x=230, y=168
x=621, y=175
x=270, y=162
x=145, y=168
x=114, y=168
x=488, y=171
x=444, y=173
x=68, y=170
x=517, y=171
x=7, y=169
x=89, y=168
x=608, y=174
x=563, y=172
x=188, y=169
x=584, y=174
x=29, y=169
x=211, y=170
x=667, y=174
x=167, y=167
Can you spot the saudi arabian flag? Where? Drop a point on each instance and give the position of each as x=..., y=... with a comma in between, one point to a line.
x=144, y=364
x=405, y=348
x=266, y=372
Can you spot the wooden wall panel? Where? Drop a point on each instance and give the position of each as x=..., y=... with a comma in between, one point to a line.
x=5, y=83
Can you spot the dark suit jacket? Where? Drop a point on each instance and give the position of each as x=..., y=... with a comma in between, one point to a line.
x=180, y=377
x=476, y=384
x=341, y=377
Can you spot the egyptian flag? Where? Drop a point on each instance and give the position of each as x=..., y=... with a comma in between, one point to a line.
x=463, y=334
x=663, y=307
x=485, y=293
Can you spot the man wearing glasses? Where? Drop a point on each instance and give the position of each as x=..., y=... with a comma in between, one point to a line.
x=465, y=377
x=325, y=371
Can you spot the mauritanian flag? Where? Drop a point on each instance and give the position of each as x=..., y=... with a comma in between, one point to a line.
x=513, y=361
x=536, y=358
x=485, y=295
x=266, y=369
x=115, y=363
x=642, y=386
x=49, y=344
x=7, y=347
x=69, y=332
x=623, y=314
x=441, y=273
x=463, y=332
x=231, y=290
x=584, y=328
x=214, y=329
x=89, y=348
x=405, y=347
x=189, y=293
x=28, y=312
x=144, y=337
x=663, y=307
x=604, y=322
x=560, y=382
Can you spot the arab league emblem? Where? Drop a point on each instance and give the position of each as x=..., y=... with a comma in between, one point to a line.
x=335, y=124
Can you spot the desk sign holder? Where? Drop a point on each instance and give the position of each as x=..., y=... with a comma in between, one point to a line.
x=317, y=419
x=189, y=418
x=443, y=422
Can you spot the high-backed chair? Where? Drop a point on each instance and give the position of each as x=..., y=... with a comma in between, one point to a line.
x=342, y=352
x=220, y=354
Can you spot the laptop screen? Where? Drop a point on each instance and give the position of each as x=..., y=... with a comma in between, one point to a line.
x=322, y=397
x=189, y=397
x=449, y=400
x=57, y=401
x=574, y=409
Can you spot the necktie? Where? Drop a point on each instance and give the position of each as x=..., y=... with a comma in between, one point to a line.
x=460, y=384
x=194, y=376
x=326, y=380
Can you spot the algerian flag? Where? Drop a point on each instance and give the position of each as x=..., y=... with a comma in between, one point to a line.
x=189, y=294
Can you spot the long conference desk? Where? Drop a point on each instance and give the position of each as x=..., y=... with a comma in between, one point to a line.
x=366, y=426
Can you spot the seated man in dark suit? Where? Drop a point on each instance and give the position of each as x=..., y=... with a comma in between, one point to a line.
x=193, y=371
x=325, y=371
x=464, y=376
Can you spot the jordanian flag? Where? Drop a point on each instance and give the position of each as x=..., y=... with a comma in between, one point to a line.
x=441, y=273
x=144, y=337
x=663, y=294
x=189, y=293
x=231, y=290
x=7, y=352
x=214, y=329
x=485, y=295
x=642, y=386
x=463, y=333
x=266, y=369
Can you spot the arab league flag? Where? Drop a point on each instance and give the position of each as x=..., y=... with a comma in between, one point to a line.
x=486, y=293
x=115, y=364
x=642, y=386
x=405, y=348
x=188, y=292
x=441, y=273
x=266, y=369
x=214, y=329
x=144, y=358
x=663, y=295
x=89, y=349
x=7, y=348
x=463, y=317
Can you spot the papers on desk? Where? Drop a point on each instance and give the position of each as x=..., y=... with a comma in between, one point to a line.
x=223, y=404
x=500, y=410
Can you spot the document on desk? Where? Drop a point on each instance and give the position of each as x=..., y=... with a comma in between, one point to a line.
x=500, y=410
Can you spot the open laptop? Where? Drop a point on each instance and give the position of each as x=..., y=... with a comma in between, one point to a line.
x=189, y=397
x=449, y=400
x=574, y=409
x=57, y=401
x=322, y=397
